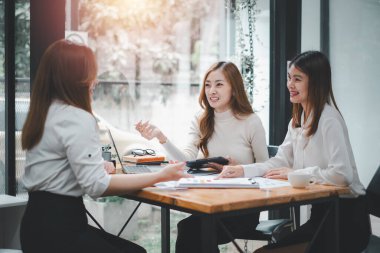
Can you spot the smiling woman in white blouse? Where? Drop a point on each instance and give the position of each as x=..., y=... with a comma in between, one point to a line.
x=317, y=143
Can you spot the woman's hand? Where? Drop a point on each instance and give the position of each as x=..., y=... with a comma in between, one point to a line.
x=109, y=167
x=150, y=131
x=278, y=173
x=173, y=172
x=231, y=161
x=231, y=171
x=219, y=167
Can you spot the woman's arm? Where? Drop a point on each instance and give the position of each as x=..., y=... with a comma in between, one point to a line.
x=190, y=152
x=78, y=133
x=258, y=141
x=336, y=144
x=124, y=183
x=283, y=158
x=150, y=131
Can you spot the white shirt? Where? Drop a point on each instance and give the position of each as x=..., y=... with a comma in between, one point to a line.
x=241, y=139
x=326, y=155
x=68, y=159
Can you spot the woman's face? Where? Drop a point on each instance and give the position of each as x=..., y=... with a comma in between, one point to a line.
x=218, y=91
x=298, y=85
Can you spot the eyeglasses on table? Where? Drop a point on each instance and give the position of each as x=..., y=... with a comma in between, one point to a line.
x=141, y=152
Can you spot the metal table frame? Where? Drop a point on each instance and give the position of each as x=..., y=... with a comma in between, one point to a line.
x=209, y=221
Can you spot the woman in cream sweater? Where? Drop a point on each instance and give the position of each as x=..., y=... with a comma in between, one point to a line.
x=228, y=127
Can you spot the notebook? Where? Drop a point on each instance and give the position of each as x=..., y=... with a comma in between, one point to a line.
x=128, y=169
x=143, y=158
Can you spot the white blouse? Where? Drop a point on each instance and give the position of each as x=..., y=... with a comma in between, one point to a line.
x=327, y=155
x=241, y=139
x=68, y=159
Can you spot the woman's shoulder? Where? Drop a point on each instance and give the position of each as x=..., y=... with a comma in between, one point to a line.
x=330, y=113
x=331, y=116
x=63, y=112
x=251, y=118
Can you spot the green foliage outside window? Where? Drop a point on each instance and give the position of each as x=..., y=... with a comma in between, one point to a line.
x=22, y=41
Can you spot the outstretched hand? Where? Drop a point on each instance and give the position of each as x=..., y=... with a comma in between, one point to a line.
x=150, y=131
x=173, y=172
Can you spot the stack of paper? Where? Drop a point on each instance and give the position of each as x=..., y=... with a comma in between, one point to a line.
x=211, y=182
x=201, y=182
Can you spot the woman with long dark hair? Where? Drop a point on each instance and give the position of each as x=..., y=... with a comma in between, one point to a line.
x=317, y=143
x=64, y=159
x=227, y=126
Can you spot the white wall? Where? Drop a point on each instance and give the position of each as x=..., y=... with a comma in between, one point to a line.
x=310, y=35
x=355, y=55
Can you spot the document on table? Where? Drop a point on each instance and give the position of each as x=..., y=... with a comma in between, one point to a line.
x=174, y=184
x=211, y=182
x=266, y=183
x=202, y=182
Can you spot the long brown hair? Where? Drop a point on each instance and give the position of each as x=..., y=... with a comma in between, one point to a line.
x=66, y=72
x=239, y=103
x=317, y=67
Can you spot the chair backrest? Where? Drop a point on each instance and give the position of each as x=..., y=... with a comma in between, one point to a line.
x=373, y=194
x=272, y=150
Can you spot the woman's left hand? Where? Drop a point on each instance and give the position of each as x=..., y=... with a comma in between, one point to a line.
x=109, y=167
x=231, y=171
x=278, y=173
x=231, y=161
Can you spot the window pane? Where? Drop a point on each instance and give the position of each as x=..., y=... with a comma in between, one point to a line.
x=152, y=56
x=22, y=86
x=240, y=42
x=261, y=69
x=22, y=59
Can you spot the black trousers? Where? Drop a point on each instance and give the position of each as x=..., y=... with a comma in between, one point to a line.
x=55, y=223
x=189, y=231
x=354, y=228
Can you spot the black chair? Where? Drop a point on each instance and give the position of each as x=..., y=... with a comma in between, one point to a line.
x=271, y=230
x=272, y=150
x=373, y=200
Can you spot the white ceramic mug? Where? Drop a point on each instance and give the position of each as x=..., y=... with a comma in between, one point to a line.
x=299, y=180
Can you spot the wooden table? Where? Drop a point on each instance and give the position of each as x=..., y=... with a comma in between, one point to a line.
x=213, y=204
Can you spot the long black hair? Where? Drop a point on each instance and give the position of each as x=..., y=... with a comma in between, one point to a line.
x=317, y=67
